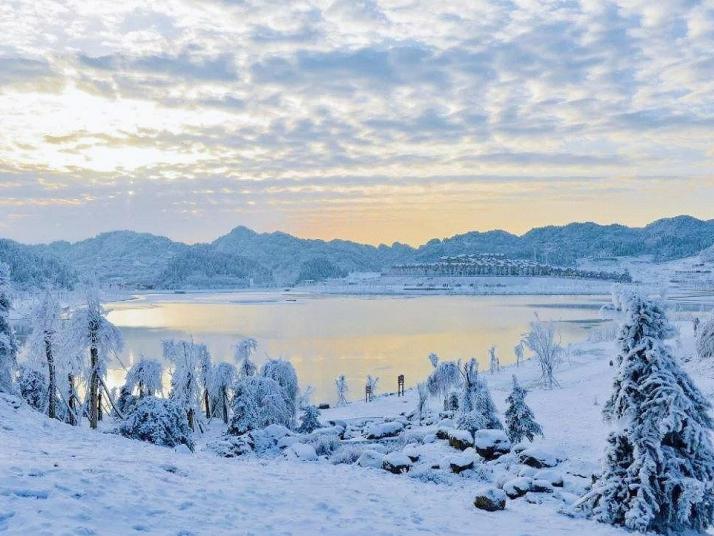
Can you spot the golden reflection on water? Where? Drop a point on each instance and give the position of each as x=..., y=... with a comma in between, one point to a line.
x=327, y=336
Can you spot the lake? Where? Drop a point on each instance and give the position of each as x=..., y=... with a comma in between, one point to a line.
x=325, y=336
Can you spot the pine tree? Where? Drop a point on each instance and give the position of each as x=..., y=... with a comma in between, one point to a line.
x=33, y=387
x=310, y=420
x=8, y=343
x=659, y=468
x=476, y=408
x=520, y=421
x=705, y=340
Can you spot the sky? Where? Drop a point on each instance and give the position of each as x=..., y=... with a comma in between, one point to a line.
x=368, y=120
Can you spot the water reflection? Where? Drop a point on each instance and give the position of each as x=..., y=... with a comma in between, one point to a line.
x=327, y=336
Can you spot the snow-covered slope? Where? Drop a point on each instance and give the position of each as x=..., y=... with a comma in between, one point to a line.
x=55, y=479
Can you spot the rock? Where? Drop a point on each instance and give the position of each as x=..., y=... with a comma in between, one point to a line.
x=371, y=458
x=301, y=452
x=517, y=487
x=462, y=461
x=323, y=406
x=541, y=486
x=442, y=433
x=460, y=439
x=538, y=458
x=383, y=430
x=412, y=452
x=490, y=499
x=397, y=463
x=182, y=449
x=429, y=438
x=286, y=441
x=553, y=477
x=491, y=444
x=532, y=498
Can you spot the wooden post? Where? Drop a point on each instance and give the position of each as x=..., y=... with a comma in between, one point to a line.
x=400, y=385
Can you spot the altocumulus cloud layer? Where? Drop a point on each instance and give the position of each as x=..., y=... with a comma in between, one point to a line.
x=371, y=120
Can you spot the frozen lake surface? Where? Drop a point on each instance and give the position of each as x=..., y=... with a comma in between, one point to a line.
x=324, y=336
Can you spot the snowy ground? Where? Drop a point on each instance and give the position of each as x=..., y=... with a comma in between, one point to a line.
x=55, y=479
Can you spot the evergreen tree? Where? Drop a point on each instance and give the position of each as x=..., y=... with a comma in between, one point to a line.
x=520, y=421
x=659, y=468
x=33, y=387
x=476, y=408
x=310, y=420
x=8, y=343
x=705, y=340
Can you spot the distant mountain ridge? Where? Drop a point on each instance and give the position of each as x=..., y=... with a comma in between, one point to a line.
x=243, y=256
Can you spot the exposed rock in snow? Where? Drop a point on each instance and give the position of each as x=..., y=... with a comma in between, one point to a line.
x=518, y=487
x=462, y=461
x=397, y=463
x=538, y=458
x=490, y=444
x=460, y=439
x=371, y=458
x=383, y=430
x=490, y=499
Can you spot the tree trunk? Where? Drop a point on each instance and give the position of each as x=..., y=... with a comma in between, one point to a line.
x=100, y=413
x=224, y=398
x=70, y=401
x=190, y=419
x=208, y=404
x=52, y=390
x=94, y=387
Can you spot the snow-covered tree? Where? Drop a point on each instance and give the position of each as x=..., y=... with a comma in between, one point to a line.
x=493, y=361
x=283, y=372
x=658, y=472
x=259, y=402
x=434, y=359
x=476, y=408
x=8, y=343
x=342, y=389
x=204, y=358
x=542, y=341
x=520, y=421
x=705, y=340
x=310, y=420
x=33, y=386
x=371, y=385
x=443, y=379
x=304, y=397
x=422, y=399
x=518, y=350
x=159, y=421
x=91, y=332
x=223, y=376
x=145, y=376
x=243, y=352
x=44, y=343
x=186, y=357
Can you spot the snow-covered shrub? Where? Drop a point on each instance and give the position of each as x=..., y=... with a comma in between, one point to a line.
x=220, y=383
x=145, y=376
x=325, y=444
x=346, y=455
x=541, y=339
x=705, y=340
x=310, y=420
x=8, y=343
x=342, y=389
x=259, y=402
x=284, y=374
x=159, y=421
x=476, y=407
x=243, y=351
x=33, y=387
x=520, y=421
x=126, y=402
x=444, y=378
x=659, y=467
